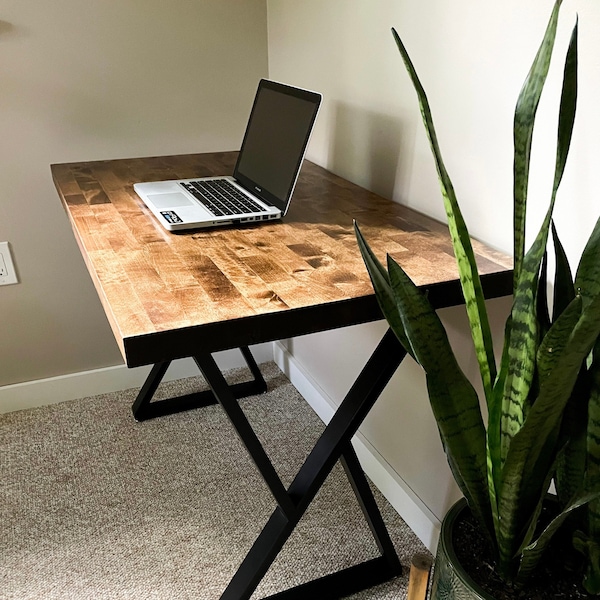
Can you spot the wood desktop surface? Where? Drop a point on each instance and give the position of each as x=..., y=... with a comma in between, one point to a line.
x=167, y=295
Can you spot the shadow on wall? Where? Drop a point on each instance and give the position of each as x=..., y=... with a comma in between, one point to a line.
x=6, y=28
x=366, y=148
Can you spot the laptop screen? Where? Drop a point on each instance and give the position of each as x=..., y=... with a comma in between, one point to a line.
x=275, y=141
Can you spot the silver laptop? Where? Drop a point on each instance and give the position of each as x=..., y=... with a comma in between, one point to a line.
x=277, y=134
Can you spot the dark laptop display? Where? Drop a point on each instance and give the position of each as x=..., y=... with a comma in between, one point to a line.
x=277, y=134
x=276, y=138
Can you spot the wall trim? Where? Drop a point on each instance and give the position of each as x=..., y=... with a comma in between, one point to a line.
x=41, y=392
x=395, y=489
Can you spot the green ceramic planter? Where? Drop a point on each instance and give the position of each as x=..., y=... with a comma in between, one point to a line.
x=450, y=580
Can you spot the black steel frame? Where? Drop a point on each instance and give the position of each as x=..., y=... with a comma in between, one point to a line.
x=334, y=444
x=144, y=407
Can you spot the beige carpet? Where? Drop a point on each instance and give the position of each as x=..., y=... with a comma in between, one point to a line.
x=96, y=506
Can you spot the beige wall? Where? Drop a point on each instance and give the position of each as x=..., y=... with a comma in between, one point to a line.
x=80, y=81
x=92, y=80
x=472, y=58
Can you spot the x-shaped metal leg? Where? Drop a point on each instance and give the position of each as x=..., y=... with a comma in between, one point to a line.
x=144, y=408
x=333, y=445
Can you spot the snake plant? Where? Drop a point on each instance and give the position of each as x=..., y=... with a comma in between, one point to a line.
x=542, y=396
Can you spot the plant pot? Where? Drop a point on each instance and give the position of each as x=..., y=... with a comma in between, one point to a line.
x=558, y=576
x=450, y=580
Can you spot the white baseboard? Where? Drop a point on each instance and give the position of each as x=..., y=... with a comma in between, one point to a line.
x=111, y=379
x=397, y=491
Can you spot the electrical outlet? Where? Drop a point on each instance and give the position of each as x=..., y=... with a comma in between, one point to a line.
x=7, y=268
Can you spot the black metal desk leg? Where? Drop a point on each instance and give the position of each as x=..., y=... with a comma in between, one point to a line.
x=144, y=408
x=222, y=391
x=333, y=444
x=147, y=391
x=368, y=505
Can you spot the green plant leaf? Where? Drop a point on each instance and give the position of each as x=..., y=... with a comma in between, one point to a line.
x=383, y=290
x=522, y=340
x=582, y=430
x=494, y=436
x=524, y=119
x=587, y=279
x=453, y=399
x=461, y=242
x=520, y=347
x=555, y=341
x=568, y=105
x=533, y=524
x=543, y=313
x=564, y=290
x=581, y=419
x=572, y=464
x=532, y=554
x=528, y=457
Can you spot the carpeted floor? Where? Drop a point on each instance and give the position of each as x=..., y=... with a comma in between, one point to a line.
x=96, y=506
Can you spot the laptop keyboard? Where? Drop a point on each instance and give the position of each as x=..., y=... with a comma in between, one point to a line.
x=221, y=197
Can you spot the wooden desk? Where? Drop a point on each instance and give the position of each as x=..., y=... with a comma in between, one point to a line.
x=164, y=292
x=170, y=296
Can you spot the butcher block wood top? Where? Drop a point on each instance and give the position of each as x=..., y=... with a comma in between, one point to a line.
x=167, y=295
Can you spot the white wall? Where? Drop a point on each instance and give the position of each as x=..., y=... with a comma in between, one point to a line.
x=93, y=80
x=472, y=58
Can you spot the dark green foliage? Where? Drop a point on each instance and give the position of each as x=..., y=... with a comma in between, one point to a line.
x=543, y=400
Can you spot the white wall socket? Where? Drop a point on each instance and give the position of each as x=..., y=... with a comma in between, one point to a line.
x=7, y=268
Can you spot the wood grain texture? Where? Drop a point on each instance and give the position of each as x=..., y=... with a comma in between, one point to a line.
x=166, y=294
x=420, y=567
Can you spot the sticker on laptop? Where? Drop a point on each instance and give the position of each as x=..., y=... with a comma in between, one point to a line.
x=170, y=216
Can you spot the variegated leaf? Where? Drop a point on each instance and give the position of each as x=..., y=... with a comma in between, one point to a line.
x=461, y=242
x=524, y=119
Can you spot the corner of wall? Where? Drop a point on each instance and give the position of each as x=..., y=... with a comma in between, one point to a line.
x=390, y=483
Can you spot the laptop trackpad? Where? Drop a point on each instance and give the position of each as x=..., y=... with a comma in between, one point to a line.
x=169, y=200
